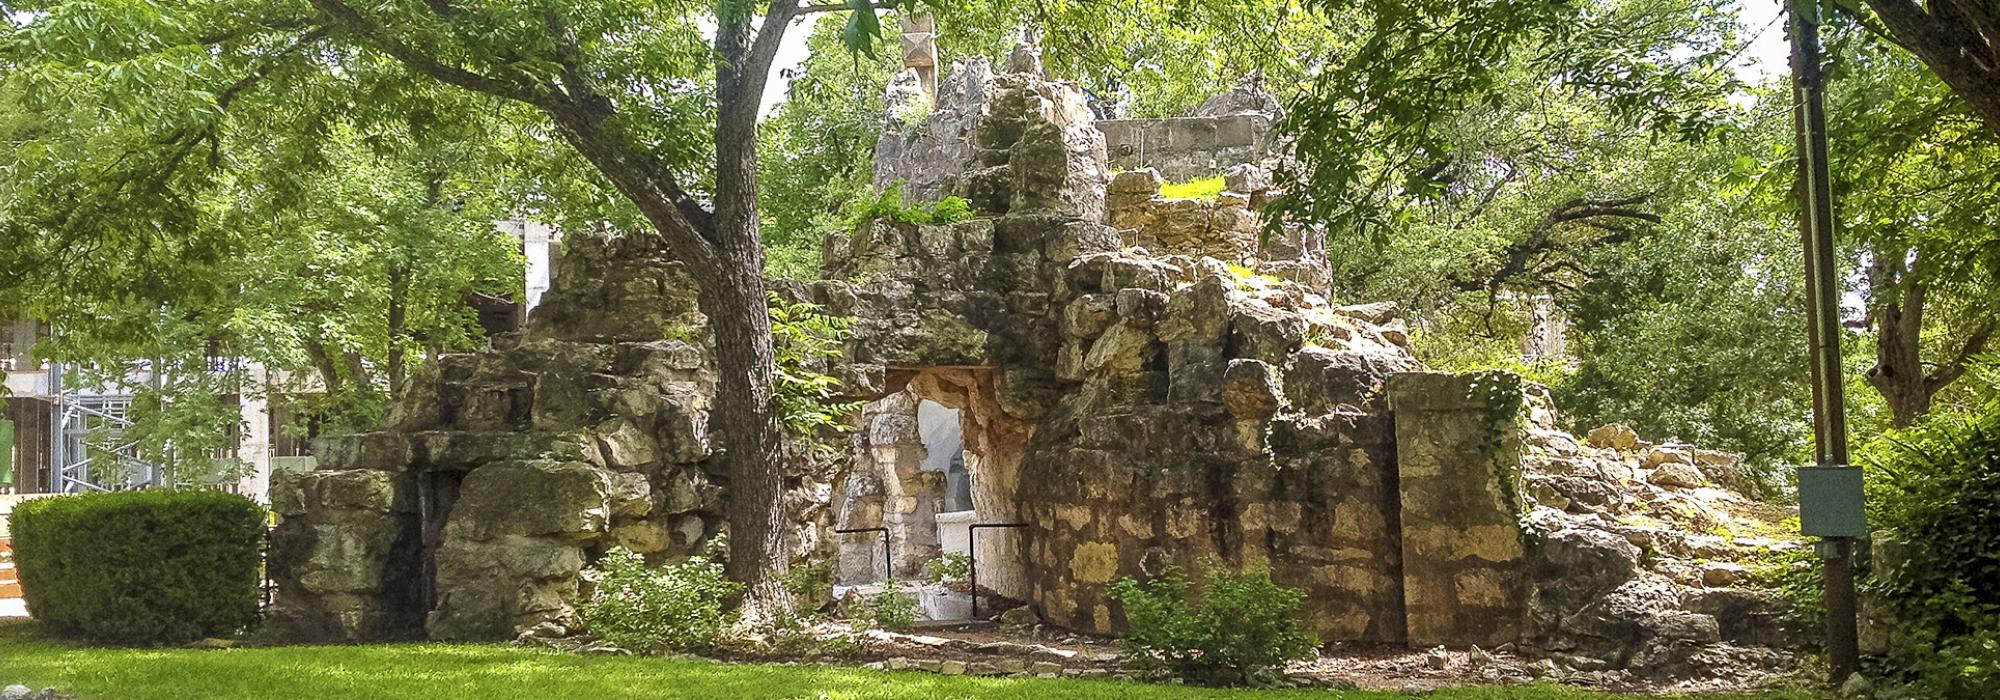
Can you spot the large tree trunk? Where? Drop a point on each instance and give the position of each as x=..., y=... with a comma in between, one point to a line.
x=754, y=439
x=1899, y=289
x=1958, y=39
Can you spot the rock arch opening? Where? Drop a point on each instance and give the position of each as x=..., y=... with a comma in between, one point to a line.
x=932, y=459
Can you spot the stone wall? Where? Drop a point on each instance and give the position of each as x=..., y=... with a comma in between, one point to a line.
x=1176, y=412
x=499, y=474
x=1459, y=469
x=1188, y=148
x=888, y=487
x=1135, y=408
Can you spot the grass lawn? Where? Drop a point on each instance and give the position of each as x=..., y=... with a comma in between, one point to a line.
x=498, y=672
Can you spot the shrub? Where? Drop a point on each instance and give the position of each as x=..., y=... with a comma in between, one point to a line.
x=1937, y=487
x=889, y=204
x=1236, y=629
x=889, y=610
x=141, y=567
x=678, y=608
x=950, y=570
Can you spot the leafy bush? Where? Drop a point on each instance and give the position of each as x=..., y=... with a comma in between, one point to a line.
x=1235, y=629
x=888, y=610
x=890, y=205
x=949, y=570
x=677, y=608
x=141, y=567
x=1937, y=487
x=804, y=338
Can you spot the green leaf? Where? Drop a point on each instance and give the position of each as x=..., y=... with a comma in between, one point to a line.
x=864, y=28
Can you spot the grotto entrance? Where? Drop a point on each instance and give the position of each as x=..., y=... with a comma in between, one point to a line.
x=932, y=459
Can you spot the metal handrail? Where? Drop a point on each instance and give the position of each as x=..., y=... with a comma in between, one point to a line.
x=888, y=565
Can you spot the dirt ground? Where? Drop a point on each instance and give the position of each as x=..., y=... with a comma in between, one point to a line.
x=982, y=648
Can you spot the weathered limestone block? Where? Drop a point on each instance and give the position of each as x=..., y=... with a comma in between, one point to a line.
x=1615, y=436
x=379, y=450
x=568, y=500
x=1250, y=389
x=491, y=589
x=631, y=495
x=342, y=556
x=625, y=445
x=1464, y=550
x=1186, y=148
x=1321, y=379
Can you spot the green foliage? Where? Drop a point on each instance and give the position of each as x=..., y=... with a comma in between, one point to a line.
x=1935, y=491
x=816, y=149
x=804, y=338
x=1235, y=629
x=1206, y=189
x=889, y=205
x=948, y=570
x=211, y=179
x=1795, y=577
x=141, y=567
x=677, y=608
x=891, y=610
x=810, y=581
x=1159, y=58
x=1375, y=124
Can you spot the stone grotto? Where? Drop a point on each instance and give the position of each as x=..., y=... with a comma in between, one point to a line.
x=1138, y=381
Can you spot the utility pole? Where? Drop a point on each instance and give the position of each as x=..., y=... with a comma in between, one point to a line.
x=1830, y=495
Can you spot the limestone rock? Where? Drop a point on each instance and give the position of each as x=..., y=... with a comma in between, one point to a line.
x=1022, y=616
x=1250, y=389
x=1615, y=436
x=1025, y=58
x=1579, y=563
x=1242, y=99
x=531, y=498
x=1720, y=574
x=631, y=495
x=625, y=445
x=1676, y=475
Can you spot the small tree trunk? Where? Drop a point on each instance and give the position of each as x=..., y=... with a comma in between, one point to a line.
x=1897, y=293
x=399, y=302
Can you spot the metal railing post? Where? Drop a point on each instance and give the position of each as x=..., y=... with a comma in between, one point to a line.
x=888, y=565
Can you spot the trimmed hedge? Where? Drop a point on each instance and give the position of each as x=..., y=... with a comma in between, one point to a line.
x=140, y=567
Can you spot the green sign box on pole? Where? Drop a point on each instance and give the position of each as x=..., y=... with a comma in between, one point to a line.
x=1830, y=502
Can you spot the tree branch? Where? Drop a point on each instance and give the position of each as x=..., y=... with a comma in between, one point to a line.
x=422, y=62
x=1950, y=370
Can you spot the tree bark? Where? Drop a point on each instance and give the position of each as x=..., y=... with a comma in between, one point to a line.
x=1959, y=40
x=1898, y=291
x=754, y=439
x=1899, y=288
x=399, y=310
x=722, y=249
